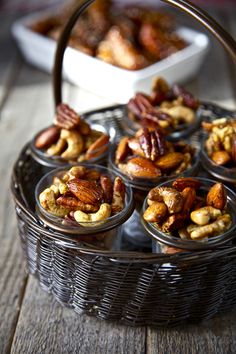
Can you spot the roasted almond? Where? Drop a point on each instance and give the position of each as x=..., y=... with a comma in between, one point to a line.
x=221, y=158
x=87, y=191
x=217, y=196
x=122, y=150
x=155, y=212
x=183, y=182
x=98, y=147
x=169, y=161
x=140, y=167
x=189, y=195
x=48, y=137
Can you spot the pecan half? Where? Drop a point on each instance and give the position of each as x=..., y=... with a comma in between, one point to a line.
x=107, y=187
x=138, y=104
x=188, y=99
x=152, y=144
x=145, y=143
x=76, y=204
x=66, y=117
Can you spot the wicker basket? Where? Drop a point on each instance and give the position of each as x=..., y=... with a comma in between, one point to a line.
x=132, y=287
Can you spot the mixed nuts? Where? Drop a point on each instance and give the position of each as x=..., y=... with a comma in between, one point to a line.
x=84, y=196
x=131, y=38
x=149, y=155
x=168, y=108
x=183, y=210
x=71, y=138
x=221, y=142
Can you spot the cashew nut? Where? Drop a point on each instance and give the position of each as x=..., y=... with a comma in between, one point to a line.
x=47, y=200
x=57, y=148
x=203, y=215
x=75, y=144
x=171, y=197
x=180, y=113
x=93, y=219
x=222, y=223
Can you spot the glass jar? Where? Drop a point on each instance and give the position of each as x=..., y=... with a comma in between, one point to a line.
x=177, y=242
x=133, y=229
x=223, y=173
x=183, y=131
x=99, y=234
x=51, y=162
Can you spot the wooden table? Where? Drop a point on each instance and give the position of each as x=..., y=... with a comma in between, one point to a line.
x=30, y=320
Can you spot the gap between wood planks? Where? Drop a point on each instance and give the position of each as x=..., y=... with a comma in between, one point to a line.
x=154, y=340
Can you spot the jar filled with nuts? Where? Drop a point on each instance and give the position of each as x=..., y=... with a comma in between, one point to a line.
x=86, y=202
x=190, y=214
x=70, y=140
x=144, y=161
x=173, y=110
x=218, y=153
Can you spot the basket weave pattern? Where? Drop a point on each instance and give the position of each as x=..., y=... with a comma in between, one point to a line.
x=134, y=288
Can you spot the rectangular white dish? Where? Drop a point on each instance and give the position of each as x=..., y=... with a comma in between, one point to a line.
x=104, y=79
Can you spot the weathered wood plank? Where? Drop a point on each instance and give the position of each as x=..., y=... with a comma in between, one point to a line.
x=16, y=126
x=9, y=58
x=44, y=326
x=217, y=336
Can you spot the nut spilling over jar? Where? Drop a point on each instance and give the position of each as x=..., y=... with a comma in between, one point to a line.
x=71, y=138
x=149, y=155
x=182, y=210
x=169, y=108
x=84, y=196
x=221, y=143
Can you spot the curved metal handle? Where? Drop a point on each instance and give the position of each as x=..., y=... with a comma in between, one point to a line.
x=201, y=16
x=61, y=46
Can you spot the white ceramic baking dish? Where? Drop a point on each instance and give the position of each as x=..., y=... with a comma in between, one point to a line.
x=104, y=79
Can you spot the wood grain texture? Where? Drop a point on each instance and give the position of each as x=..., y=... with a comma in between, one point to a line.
x=217, y=336
x=44, y=326
x=31, y=320
x=16, y=126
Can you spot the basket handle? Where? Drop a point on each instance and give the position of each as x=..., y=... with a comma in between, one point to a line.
x=201, y=16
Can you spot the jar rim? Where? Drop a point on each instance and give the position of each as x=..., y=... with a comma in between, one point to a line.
x=56, y=161
x=55, y=222
x=224, y=173
x=193, y=245
x=147, y=183
x=186, y=129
